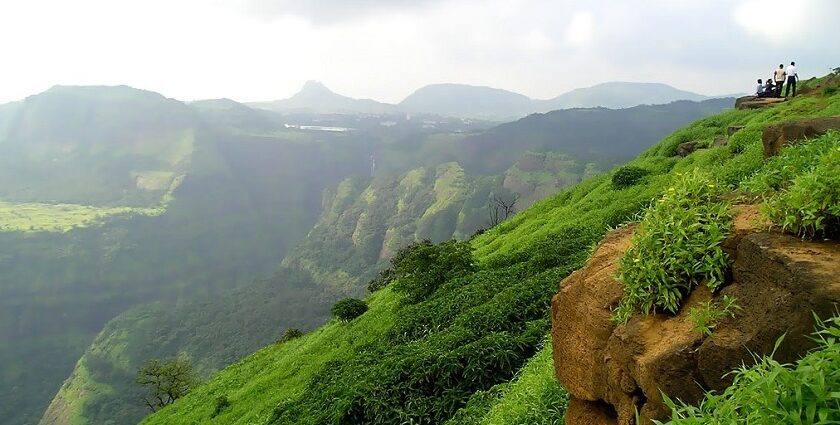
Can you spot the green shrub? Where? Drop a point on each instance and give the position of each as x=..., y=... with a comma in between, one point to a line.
x=829, y=91
x=676, y=247
x=421, y=268
x=807, y=392
x=382, y=279
x=810, y=207
x=290, y=334
x=559, y=248
x=628, y=176
x=708, y=314
x=222, y=403
x=778, y=172
x=349, y=309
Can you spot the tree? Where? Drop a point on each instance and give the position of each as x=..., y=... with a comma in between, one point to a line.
x=423, y=267
x=290, y=334
x=166, y=381
x=349, y=309
x=501, y=208
x=627, y=176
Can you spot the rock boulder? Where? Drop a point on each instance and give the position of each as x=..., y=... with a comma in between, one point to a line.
x=685, y=149
x=755, y=102
x=777, y=136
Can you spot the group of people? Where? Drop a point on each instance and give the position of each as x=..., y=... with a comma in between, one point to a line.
x=782, y=75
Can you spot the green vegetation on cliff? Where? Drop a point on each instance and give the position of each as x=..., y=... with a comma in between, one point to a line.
x=676, y=247
x=473, y=347
x=773, y=393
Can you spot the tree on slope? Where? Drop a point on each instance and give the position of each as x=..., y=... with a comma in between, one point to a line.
x=166, y=381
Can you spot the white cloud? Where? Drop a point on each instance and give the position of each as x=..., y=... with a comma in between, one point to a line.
x=773, y=20
x=536, y=41
x=193, y=49
x=579, y=32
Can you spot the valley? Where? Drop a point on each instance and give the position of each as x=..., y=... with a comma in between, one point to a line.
x=175, y=230
x=436, y=212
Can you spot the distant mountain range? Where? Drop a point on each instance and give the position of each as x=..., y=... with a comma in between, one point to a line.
x=467, y=101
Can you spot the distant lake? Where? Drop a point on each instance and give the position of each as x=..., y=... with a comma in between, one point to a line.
x=319, y=128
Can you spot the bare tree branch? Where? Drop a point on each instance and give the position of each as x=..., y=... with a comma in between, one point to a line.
x=500, y=209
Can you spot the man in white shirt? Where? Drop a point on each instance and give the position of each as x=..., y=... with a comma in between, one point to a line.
x=792, y=77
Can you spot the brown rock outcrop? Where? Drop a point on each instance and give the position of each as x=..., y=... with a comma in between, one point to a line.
x=687, y=148
x=755, y=102
x=777, y=136
x=612, y=370
x=589, y=413
x=732, y=129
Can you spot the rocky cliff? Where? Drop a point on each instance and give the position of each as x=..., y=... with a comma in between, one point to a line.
x=617, y=374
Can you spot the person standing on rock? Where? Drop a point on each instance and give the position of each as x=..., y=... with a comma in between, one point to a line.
x=779, y=78
x=792, y=77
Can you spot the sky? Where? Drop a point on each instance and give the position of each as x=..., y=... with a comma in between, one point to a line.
x=250, y=50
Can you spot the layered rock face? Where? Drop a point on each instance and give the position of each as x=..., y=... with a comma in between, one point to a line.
x=777, y=136
x=613, y=371
x=755, y=102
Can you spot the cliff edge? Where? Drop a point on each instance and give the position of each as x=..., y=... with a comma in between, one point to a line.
x=613, y=371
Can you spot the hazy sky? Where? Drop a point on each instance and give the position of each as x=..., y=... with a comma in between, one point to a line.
x=385, y=49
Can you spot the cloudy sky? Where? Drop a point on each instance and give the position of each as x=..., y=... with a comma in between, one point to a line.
x=385, y=49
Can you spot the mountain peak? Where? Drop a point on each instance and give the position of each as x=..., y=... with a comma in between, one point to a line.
x=313, y=86
x=315, y=97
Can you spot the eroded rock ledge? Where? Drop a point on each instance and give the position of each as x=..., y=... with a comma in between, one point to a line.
x=612, y=371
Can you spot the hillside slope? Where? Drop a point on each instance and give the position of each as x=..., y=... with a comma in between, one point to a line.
x=363, y=222
x=439, y=358
x=176, y=219
x=115, y=146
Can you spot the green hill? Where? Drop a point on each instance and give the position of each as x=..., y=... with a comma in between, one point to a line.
x=109, y=146
x=144, y=214
x=462, y=100
x=471, y=351
x=418, y=193
x=619, y=94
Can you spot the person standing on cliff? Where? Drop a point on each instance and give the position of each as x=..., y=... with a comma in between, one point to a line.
x=779, y=78
x=792, y=77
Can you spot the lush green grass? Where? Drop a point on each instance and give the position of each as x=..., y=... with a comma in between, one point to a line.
x=40, y=217
x=808, y=201
x=280, y=372
x=43, y=217
x=534, y=397
x=807, y=392
x=445, y=357
x=32, y=217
